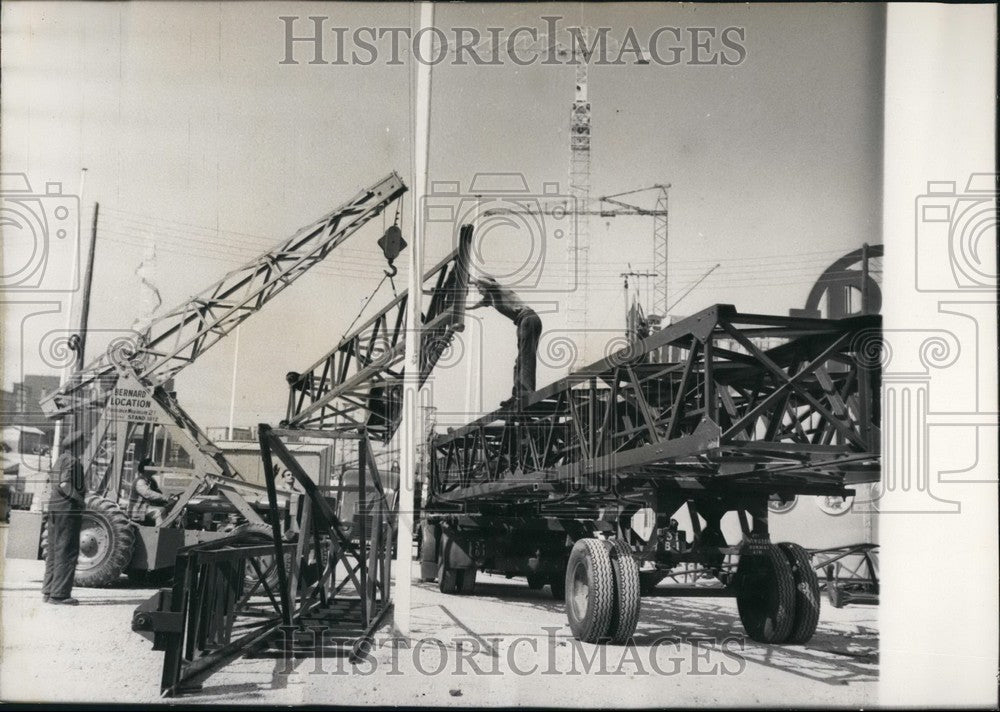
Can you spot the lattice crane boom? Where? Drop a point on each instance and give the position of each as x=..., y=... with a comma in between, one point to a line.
x=177, y=338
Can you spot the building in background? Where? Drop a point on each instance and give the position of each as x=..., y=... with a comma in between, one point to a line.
x=19, y=408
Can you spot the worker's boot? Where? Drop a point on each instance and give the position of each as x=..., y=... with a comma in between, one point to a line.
x=68, y=601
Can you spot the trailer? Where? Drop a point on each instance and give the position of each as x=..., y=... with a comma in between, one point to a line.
x=580, y=488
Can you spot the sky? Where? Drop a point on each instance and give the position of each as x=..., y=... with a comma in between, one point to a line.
x=203, y=150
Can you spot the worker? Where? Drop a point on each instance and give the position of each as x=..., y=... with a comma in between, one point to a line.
x=63, y=518
x=146, y=492
x=529, y=330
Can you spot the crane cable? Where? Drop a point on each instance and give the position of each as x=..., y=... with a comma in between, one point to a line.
x=387, y=274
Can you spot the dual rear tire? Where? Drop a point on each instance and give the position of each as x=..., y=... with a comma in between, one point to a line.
x=778, y=597
x=456, y=581
x=778, y=592
x=602, y=591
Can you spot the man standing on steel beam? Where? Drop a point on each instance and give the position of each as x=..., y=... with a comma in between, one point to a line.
x=529, y=330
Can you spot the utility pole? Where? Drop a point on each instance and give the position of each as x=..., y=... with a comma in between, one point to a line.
x=81, y=336
x=75, y=339
x=88, y=281
x=637, y=275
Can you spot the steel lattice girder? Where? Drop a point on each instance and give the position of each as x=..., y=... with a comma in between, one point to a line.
x=800, y=416
x=178, y=337
x=358, y=383
x=255, y=590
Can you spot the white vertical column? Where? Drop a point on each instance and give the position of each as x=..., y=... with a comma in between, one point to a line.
x=411, y=427
x=938, y=574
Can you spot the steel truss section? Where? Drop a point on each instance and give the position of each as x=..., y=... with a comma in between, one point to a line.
x=850, y=573
x=359, y=382
x=261, y=591
x=754, y=405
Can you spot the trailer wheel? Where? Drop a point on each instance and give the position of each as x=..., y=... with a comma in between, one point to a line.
x=429, y=544
x=106, y=542
x=766, y=593
x=558, y=587
x=590, y=590
x=807, y=597
x=535, y=582
x=449, y=579
x=628, y=599
x=467, y=581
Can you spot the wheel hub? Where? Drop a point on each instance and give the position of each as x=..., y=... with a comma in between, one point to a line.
x=94, y=542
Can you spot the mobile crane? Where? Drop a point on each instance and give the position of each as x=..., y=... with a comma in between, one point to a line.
x=121, y=398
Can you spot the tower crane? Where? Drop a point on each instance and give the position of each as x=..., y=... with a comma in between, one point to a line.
x=578, y=51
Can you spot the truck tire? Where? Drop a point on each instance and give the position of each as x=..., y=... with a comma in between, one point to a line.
x=449, y=579
x=628, y=598
x=807, y=598
x=429, y=544
x=590, y=590
x=456, y=581
x=467, y=581
x=106, y=542
x=766, y=593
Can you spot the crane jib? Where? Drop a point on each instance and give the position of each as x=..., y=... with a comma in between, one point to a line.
x=181, y=335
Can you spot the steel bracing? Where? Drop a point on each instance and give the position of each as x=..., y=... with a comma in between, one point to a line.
x=359, y=382
x=753, y=405
x=323, y=591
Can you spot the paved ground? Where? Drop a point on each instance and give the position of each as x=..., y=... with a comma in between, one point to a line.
x=506, y=645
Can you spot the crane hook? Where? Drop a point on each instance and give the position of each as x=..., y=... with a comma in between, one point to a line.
x=392, y=271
